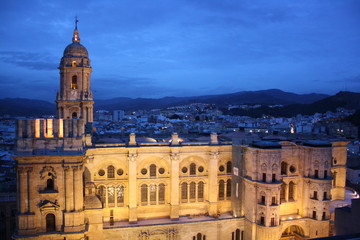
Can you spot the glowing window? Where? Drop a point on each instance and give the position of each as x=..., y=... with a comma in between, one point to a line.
x=152, y=194
x=73, y=84
x=111, y=196
x=120, y=196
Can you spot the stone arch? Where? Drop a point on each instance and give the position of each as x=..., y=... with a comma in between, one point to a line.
x=263, y=167
x=117, y=163
x=292, y=230
x=159, y=162
x=198, y=161
x=274, y=168
x=86, y=176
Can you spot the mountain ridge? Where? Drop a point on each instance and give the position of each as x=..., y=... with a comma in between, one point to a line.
x=292, y=103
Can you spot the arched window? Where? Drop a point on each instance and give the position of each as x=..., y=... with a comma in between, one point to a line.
x=284, y=168
x=237, y=234
x=161, y=193
x=144, y=194
x=262, y=219
x=111, y=196
x=50, y=184
x=221, y=189
x=334, y=179
x=200, y=191
x=291, y=191
x=192, y=169
x=228, y=189
x=228, y=167
x=50, y=222
x=262, y=198
x=152, y=194
x=74, y=115
x=111, y=171
x=120, y=196
x=184, y=192
x=199, y=236
x=102, y=195
x=282, y=192
x=316, y=173
x=152, y=170
x=73, y=84
x=192, y=191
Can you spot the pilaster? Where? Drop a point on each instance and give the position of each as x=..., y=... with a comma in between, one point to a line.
x=132, y=157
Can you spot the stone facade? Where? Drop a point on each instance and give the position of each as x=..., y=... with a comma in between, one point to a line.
x=72, y=188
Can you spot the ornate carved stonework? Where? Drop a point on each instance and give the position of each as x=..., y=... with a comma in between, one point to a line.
x=132, y=157
x=44, y=172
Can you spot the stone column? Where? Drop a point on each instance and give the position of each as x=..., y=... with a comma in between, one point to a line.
x=23, y=199
x=287, y=192
x=29, y=195
x=78, y=188
x=174, y=186
x=132, y=187
x=213, y=183
x=68, y=188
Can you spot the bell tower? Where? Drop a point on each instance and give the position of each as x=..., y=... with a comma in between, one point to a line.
x=75, y=100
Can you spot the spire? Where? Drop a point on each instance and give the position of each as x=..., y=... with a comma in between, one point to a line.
x=76, y=36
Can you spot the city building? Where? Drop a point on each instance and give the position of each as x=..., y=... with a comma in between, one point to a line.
x=72, y=187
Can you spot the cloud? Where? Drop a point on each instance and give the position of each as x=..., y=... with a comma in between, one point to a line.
x=35, y=61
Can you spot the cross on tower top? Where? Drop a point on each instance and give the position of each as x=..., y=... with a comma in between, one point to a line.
x=76, y=21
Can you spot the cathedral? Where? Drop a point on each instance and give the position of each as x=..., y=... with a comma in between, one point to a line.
x=71, y=187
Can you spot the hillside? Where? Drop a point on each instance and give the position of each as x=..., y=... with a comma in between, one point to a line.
x=348, y=100
x=265, y=97
x=293, y=103
x=26, y=107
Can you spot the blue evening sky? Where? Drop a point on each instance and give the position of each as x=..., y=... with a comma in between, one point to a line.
x=157, y=48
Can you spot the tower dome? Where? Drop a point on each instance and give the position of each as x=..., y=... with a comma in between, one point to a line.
x=75, y=49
